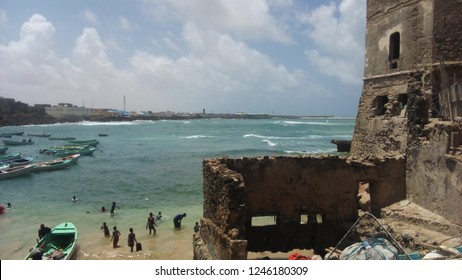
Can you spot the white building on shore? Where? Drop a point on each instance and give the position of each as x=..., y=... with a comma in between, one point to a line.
x=64, y=110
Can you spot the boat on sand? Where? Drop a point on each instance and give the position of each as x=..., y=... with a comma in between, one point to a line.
x=59, y=244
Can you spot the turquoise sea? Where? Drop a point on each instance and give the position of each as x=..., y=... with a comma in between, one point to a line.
x=144, y=166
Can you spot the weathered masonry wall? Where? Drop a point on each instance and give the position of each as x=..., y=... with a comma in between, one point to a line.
x=287, y=188
x=412, y=21
x=411, y=101
x=434, y=170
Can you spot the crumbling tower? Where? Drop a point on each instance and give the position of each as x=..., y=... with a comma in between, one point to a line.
x=411, y=103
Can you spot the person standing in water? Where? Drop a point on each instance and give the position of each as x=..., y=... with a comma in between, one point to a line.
x=131, y=239
x=115, y=237
x=113, y=207
x=151, y=224
x=106, y=229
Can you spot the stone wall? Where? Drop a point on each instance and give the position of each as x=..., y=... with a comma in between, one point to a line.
x=288, y=188
x=447, y=31
x=434, y=173
x=430, y=34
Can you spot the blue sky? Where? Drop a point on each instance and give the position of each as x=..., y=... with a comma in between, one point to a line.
x=225, y=56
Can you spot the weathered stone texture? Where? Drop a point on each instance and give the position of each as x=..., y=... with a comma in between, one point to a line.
x=399, y=148
x=237, y=190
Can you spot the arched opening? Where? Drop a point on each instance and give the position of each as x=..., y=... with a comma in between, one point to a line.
x=393, y=55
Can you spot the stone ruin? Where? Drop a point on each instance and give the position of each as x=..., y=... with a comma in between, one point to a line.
x=406, y=147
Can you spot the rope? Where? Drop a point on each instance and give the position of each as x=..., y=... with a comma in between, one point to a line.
x=380, y=224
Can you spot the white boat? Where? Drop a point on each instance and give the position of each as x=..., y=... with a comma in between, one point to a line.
x=16, y=171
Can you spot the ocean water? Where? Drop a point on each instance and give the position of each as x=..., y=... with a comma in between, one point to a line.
x=144, y=166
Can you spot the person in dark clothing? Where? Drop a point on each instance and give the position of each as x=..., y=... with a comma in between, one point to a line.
x=106, y=229
x=113, y=207
x=177, y=220
x=43, y=231
x=131, y=239
x=151, y=223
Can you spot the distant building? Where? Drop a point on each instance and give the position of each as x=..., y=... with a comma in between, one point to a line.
x=64, y=110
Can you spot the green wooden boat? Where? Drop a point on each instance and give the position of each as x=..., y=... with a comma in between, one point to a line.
x=56, y=164
x=63, y=151
x=62, y=138
x=59, y=244
x=92, y=142
x=9, y=156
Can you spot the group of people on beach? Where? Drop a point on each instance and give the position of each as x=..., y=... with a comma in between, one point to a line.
x=151, y=224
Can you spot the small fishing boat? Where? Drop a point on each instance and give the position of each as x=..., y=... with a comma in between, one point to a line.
x=73, y=158
x=102, y=134
x=16, y=171
x=17, y=143
x=56, y=164
x=10, y=134
x=45, y=135
x=92, y=142
x=18, y=161
x=59, y=244
x=84, y=150
x=4, y=158
x=3, y=150
x=62, y=138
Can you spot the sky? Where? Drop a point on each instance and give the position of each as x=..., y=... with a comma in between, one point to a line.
x=285, y=57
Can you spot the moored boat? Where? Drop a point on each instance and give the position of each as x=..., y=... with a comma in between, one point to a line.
x=67, y=151
x=73, y=158
x=51, y=165
x=62, y=138
x=59, y=244
x=16, y=171
x=17, y=143
x=10, y=134
x=45, y=135
x=91, y=142
x=8, y=157
x=18, y=161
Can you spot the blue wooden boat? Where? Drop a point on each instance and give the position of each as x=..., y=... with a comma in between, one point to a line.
x=59, y=244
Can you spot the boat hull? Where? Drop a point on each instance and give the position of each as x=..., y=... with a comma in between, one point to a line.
x=16, y=171
x=59, y=244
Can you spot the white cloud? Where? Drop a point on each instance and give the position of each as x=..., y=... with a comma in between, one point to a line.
x=219, y=70
x=338, y=31
x=90, y=17
x=215, y=72
x=247, y=20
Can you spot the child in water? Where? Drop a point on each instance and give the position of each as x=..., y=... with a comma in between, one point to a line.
x=106, y=229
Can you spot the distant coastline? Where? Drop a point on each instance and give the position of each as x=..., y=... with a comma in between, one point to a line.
x=37, y=119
